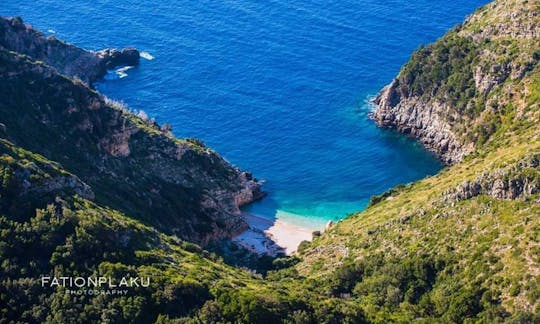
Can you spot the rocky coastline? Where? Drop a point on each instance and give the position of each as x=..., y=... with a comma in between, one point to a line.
x=452, y=94
x=67, y=59
x=121, y=160
x=414, y=117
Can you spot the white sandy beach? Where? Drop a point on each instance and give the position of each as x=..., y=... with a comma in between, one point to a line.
x=272, y=237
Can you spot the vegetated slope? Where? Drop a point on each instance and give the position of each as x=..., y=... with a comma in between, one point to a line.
x=176, y=185
x=49, y=226
x=464, y=244
x=71, y=236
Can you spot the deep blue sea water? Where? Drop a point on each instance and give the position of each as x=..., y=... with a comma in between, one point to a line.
x=279, y=88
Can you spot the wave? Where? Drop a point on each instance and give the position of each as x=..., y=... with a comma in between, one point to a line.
x=147, y=56
x=119, y=73
x=122, y=72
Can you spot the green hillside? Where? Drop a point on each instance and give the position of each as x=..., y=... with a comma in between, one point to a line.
x=71, y=235
x=90, y=189
x=466, y=242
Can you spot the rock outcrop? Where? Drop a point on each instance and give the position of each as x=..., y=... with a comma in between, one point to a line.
x=30, y=181
x=111, y=58
x=67, y=59
x=251, y=190
x=518, y=181
x=418, y=118
x=453, y=94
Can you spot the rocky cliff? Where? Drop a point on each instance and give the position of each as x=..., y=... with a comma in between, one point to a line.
x=67, y=59
x=129, y=163
x=453, y=94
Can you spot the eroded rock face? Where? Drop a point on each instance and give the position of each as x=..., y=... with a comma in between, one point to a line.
x=518, y=181
x=250, y=190
x=59, y=183
x=419, y=119
x=117, y=143
x=67, y=59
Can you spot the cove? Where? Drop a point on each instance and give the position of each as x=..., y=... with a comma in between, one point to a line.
x=279, y=88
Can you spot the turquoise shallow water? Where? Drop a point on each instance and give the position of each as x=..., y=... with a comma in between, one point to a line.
x=279, y=88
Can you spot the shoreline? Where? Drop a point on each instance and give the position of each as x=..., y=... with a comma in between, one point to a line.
x=272, y=237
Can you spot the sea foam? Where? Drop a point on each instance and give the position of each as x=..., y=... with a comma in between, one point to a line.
x=147, y=56
x=122, y=72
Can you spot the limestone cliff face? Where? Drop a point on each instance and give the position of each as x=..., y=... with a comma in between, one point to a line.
x=130, y=163
x=452, y=94
x=415, y=117
x=67, y=59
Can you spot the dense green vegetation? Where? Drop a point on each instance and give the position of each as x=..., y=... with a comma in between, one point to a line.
x=443, y=70
x=72, y=236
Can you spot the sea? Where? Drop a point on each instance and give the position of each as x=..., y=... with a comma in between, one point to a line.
x=279, y=88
